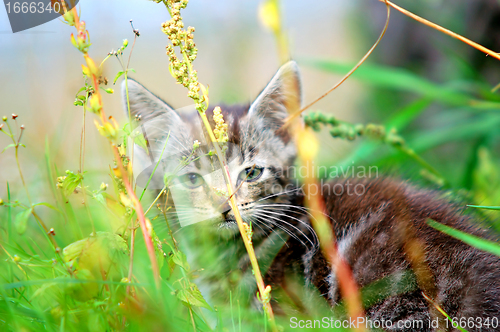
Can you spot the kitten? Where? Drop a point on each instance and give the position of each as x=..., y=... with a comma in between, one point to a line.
x=379, y=232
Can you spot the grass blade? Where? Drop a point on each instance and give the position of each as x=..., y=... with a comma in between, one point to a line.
x=402, y=80
x=484, y=207
x=472, y=240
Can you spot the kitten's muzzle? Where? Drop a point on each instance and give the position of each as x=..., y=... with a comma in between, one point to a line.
x=224, y=207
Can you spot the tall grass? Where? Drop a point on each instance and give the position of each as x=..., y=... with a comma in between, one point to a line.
x=76, y=261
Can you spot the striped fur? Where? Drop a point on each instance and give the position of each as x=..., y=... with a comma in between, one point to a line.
x=373, y=229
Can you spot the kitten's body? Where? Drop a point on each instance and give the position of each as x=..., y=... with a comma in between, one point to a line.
x=375, y=240
x=379, y=233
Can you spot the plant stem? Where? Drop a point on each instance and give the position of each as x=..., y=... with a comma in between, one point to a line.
x=21, y=172
x=142, y=219
x=202, y=107
x=323, y=228
x=124, y=174
x=296, y=114
x=131, y=263
x=163, y=211
x=239, y=221
x=87, y=207
x=443, y=30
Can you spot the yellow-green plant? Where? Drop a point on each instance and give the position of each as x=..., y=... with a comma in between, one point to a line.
x=109, y=129
x=182, y=70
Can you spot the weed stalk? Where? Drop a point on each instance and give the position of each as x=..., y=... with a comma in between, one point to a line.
x=183, y=72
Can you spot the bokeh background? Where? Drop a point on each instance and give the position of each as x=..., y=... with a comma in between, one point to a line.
x=41, y=75
x=237, y=56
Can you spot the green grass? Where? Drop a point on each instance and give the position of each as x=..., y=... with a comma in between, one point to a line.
x=45, y=287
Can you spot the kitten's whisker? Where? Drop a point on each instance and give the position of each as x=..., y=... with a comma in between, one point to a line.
x=314, y=243
x=256, y=219
x=277, y=194
x=287, y=223
x=285, y=207
x=302, y=208
x=264, y=221
x=302, y=211
x=255, y=222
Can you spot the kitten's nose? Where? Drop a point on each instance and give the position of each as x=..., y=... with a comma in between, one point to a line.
x=224, y=208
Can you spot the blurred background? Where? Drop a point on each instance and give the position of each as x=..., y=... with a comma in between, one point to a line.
x=439, y=94
x=41, y=74
x=237, y=57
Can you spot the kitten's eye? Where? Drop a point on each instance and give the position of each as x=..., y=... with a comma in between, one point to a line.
x=251, y=174
x=191, y=180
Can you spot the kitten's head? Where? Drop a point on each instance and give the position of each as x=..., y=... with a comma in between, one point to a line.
x=259, y=153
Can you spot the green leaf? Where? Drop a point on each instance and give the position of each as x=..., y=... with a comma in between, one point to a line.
x=100, y=198
x=402, y=80
x=9, y=211
x=21, y=220
x=71, y=182
x=160, y=254
x=398, y=121
x=426, y=140
x=120, y=73
x=484, y=207
x=49, y=206
x=472, y=240
x=465, y=130
x=407, y=114
x=109, y=90
x=192, y=297
x=8, y=147
x=103, y=253
x=178, y=258
x=154, y=170
x=486, y=179
x=138, y=139
x=126, y=128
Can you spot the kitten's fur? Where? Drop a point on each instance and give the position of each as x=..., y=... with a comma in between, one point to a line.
x=373, y=230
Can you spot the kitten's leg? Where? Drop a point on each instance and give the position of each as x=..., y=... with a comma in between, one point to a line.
x=402, y=313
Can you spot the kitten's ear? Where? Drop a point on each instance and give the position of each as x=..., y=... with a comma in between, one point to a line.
x=144, y=105
x=281, y=97
x=156, y=117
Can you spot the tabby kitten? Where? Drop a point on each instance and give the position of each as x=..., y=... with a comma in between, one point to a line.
x=380, y=232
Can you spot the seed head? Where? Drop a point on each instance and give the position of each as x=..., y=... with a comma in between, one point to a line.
x=220, y=130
